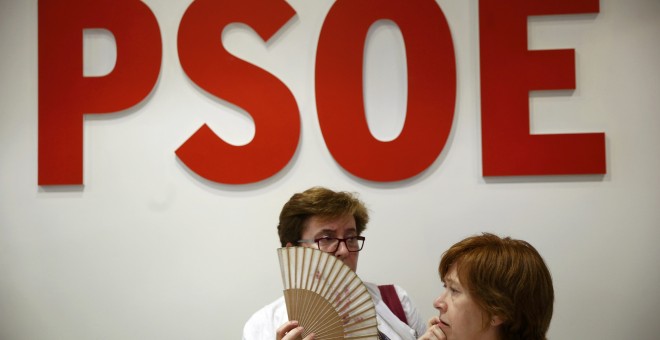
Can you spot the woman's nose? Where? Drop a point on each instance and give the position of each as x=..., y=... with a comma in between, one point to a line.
x=342, y=250
x=440, y=303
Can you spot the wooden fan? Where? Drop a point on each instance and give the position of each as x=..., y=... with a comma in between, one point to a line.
x=325, y=296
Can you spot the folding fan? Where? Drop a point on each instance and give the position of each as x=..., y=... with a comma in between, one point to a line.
x=325, y=296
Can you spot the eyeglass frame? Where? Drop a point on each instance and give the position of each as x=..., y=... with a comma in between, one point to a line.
x=339, y=241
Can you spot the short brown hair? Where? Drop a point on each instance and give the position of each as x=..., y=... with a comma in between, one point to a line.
x=322, y=202
x=507, y=278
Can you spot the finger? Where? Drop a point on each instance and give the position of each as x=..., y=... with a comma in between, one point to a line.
x=294, y=334
x=311, y=336
x=427, y=336
x=285, y=328
x=437, y=332
x=433, y=321
x=433, y=333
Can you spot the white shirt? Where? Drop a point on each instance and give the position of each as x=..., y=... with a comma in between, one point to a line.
x=263, y=323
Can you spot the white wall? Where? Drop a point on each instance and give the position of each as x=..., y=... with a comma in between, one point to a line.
x=149, y=250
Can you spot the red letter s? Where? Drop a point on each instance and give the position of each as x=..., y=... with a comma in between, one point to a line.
x=269, y=101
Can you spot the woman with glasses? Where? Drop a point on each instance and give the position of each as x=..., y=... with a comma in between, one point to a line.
x=495, y=289
x=332, y=222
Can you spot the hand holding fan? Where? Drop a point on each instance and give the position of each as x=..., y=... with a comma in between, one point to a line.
x=325, y=296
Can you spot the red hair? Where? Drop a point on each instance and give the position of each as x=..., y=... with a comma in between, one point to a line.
x=507, y=278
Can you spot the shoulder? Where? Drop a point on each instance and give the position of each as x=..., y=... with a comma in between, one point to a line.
x=263, y=323
x=374, y=289
x=415, y=320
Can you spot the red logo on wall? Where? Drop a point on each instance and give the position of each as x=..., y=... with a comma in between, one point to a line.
x=508, y=72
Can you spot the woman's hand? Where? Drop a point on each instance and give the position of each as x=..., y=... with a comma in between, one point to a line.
x=433, y=332
x=291, y=331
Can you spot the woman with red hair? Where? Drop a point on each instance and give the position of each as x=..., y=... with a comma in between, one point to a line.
x=495, y=288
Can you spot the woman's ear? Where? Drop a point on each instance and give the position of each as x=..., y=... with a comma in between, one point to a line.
x=496, y=320
x=289, y=244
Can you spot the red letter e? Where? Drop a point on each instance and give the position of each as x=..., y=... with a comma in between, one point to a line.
x=508, y=72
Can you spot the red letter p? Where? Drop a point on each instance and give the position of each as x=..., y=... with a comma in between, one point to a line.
x=65, y=94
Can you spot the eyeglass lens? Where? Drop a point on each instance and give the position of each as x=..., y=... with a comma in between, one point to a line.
x=331, y=244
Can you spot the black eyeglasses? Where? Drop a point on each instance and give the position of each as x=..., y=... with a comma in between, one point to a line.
x=331, y=244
